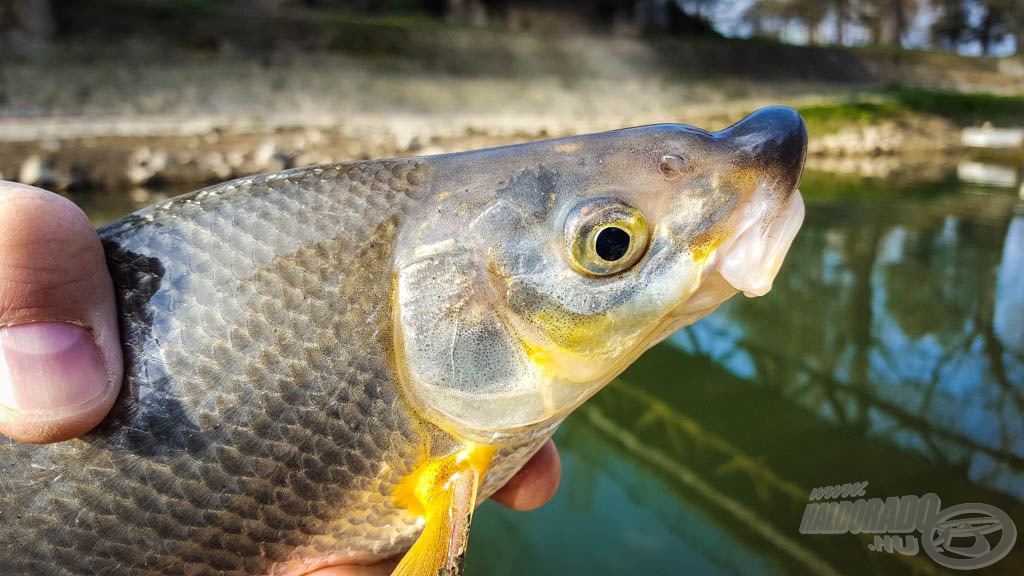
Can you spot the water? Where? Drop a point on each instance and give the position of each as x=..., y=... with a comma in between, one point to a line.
x=890, y=351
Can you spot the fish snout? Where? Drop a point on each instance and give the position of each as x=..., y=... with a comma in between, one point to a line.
x=772, y=141
x=772, y=145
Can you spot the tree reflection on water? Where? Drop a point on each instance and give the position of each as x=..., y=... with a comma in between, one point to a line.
x=885, y=320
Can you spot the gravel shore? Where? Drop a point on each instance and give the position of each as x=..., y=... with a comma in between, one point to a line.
x=104, y=117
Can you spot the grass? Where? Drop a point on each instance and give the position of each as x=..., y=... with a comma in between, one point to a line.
x=962, y=108
x=859, y=111
x=896, y=102
x=830, y=186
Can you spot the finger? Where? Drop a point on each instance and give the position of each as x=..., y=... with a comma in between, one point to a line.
x=384, y=568
x=60, y=355
x=536, y=483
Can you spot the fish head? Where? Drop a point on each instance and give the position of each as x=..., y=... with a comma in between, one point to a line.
x=540, y=272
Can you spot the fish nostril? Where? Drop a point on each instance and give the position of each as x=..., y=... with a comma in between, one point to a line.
x=672, y=166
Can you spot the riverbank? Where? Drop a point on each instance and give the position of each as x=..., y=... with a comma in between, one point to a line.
x=91, y=115
x=865, y=134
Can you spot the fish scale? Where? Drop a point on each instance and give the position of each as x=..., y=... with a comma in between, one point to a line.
x=245, y=314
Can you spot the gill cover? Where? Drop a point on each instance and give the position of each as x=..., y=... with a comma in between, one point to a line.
x=539, y=272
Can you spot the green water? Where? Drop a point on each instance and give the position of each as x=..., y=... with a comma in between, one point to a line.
x=891, y=350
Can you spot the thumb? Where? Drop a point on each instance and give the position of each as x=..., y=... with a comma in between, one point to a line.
x=60, y=354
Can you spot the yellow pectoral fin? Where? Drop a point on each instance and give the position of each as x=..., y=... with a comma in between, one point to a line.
x=446, y=490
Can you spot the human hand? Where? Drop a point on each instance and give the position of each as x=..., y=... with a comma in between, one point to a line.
x=60, y=354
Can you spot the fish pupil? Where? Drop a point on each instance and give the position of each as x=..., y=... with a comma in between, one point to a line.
x=612, y=243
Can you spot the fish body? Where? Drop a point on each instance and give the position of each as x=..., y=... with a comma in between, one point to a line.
x=329, y=364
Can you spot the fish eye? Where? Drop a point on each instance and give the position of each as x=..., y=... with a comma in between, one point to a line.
x=605, y=236
x=612, y=243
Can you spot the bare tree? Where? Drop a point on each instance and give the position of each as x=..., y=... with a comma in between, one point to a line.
x=995, y=21
x=887, y=20
x=950, y=27
x=1014, y=14
x=809, y=13
x=841, y=12
x=766, y=17
x=812, y=13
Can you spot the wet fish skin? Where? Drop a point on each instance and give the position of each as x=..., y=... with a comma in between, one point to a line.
x=295, y=345
x=232, y=448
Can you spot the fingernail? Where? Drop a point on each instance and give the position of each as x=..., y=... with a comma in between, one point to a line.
x=49, y=365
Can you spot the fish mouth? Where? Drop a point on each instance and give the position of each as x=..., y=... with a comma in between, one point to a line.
x=751, y=258
x=751, y=241
x=761, y=227
x=747, y=261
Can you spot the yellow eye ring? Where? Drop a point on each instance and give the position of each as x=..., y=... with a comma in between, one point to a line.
x=605, y=236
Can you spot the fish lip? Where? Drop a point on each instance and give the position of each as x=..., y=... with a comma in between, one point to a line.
x=723, y=277
x=751, y=258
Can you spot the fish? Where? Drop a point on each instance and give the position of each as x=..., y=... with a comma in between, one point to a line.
x=337, y=363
